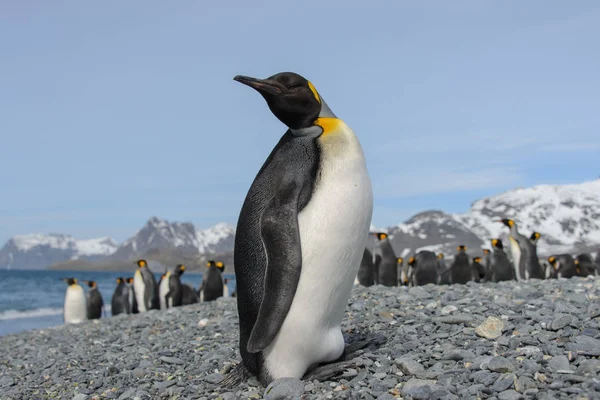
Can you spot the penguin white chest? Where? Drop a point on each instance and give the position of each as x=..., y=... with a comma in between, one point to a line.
x=75, y=309
x=163, y=290
x=139, y=288
x=515, y=250
x=334, y=228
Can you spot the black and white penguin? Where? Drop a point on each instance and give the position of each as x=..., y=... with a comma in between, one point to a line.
x=175, y=295
x=119, y=304
x=366, y=271
x=385, y=260
x=402, y=272
x=163, y=290
x=477, y=270
x=487, y=264
x=188, y=295
x=132, y=298
x=502, y=269
x=524, y=254
x=294, y=269
x=75, y=308
x=460, y=270
x=424, y=268
x=584, y=265
x=443, y=270
x=95, y=304
x=212, y=281
x=145, y=287
x=564, y=265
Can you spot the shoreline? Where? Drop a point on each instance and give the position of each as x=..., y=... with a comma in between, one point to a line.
x=434, y=346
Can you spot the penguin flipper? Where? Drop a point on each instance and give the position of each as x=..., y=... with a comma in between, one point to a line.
x=281, y=239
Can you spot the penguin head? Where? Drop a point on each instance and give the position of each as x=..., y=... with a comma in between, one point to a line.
x=576, y=261
x=486, y=251
x=91, y=284
x=461, y=247
x=497, y=243
x=552, y=261
x=508, y=222
x=141, y=263
x=129, y=280
x=70, y=281
x=535, y=236
x=476, y=259
x=180, y=269
x=380, y=235
x=210, y=263
x=220, y=265
x=411, y=261
x=290, y=97
x=119, y=281
x=440, y=256
x=399, y=260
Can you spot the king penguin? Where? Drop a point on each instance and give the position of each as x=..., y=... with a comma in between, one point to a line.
x=163, y=290
x=534, y=238
x=132, y=298
x=524, y=254
x=403, y=272
x=460, y=270
x=424, y=268
x=95, y=304
x=119, y=304
x=586, y=265
x=366, y=272
x=487, y=264
x=145, y=287
x=188, y=295
x=385, y=261
x=175, y=294
x=75, y=309
x=300, y=235
x=443, y=270
x=564, y=265
x=212, y=281
x=477, y=270
x=501, y=268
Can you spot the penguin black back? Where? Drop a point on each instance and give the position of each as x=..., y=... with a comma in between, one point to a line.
x=132, y=297
x=175, y=289
x=95, y=303
x=477, y=270
x=564, y=265
x=385, y=261
x=443, y=270
x=188, y=295
x=460, y=268
x=120, y=298
x=502, y=270
x=585, y=265
x=366, y=275
x=487, y=264
x=425, y=268
x=212, y=282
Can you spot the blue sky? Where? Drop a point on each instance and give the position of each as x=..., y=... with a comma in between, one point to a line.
x=113, y=111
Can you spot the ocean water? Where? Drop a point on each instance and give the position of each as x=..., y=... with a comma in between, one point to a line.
x=34, y=299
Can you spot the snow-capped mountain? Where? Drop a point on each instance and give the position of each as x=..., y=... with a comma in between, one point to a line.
x=38, y=251
x=567, y=216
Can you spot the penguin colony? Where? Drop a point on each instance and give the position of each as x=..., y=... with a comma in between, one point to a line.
x=300, y=245
x=142, y=293
x=494, y=265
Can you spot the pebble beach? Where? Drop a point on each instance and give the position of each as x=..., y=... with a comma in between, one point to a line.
x=508, y=340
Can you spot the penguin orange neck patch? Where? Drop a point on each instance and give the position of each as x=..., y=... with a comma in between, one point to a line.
x=329, y=125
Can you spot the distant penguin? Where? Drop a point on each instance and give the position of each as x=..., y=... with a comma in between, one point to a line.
x=424, y=268
x=175, y=294
x=410, y=271
x=402, y=272
x=502, y=269
x=300, y=236
x=564, y=265
x=212, y=282
x=226, y=287
x=487, y=264
x=75, y=308
x=188, y=295
x=524, y=254
x=477, y=270
x=385, y=261
x=366, y=272
x=443, y=270
x=163, y=290
x=132, y=297
x=548, y=269
x=460, y=270
x=584, y=265
x=95, y=304
x=119, y=303
x=534, y=238
x=145, y=287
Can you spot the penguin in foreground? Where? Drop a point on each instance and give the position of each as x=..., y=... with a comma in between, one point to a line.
x=460, y=270
x=119, y=304
x=145, y=287
x=132, y=298
x=564, y=265
x=385, y=261
x=443, y=270
x=95, y=304
x=294, y=269
x=212, y=282
x=424, y=268
x=502, y=269
x=585, y=265
x=487, y=264
x=75, y=308
x=366, y=271
x=524, y=254
x=477, y=270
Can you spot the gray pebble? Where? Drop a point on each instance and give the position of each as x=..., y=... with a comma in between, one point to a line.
x=504, y=382
x=284, y=388
x=500, y=364
x=172, y=360
x=559, y=363
x=80, y=396
x=510, y=395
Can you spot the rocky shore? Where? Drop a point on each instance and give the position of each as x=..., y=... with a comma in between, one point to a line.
x=533, y=340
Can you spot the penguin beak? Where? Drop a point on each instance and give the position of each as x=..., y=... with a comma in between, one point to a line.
x=262, y=85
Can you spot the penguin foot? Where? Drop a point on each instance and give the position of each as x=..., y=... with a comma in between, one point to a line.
x=329, y=371
x=236, y=376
